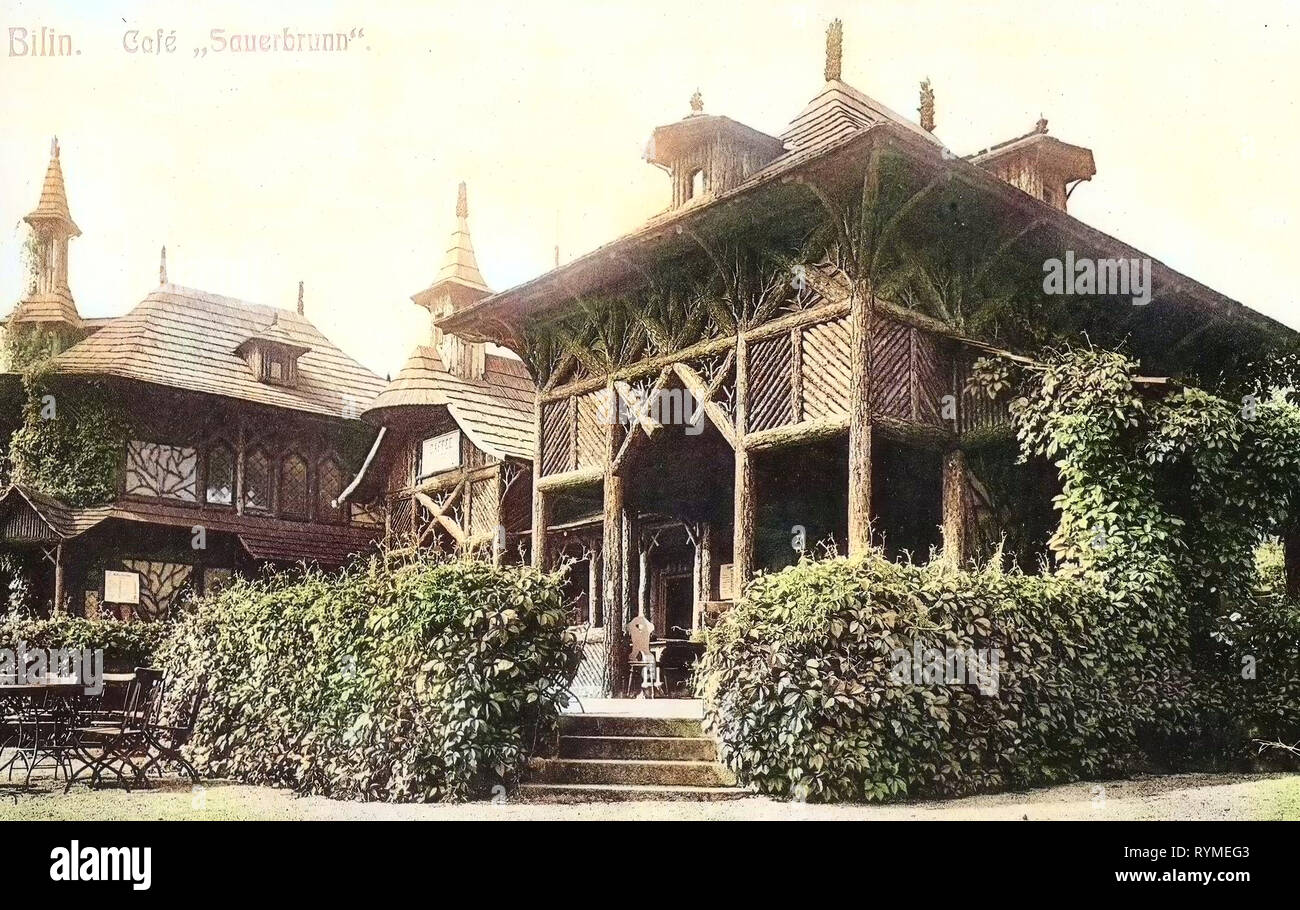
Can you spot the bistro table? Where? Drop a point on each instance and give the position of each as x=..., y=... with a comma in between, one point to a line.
x=38, y=718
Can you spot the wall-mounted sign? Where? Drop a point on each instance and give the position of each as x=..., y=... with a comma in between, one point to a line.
x=439, y=453
x=122, y=588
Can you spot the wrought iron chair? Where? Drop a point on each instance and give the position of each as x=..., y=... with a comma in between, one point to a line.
x=117, y=745
x=163, y=741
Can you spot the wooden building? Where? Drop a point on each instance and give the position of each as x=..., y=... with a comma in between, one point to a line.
x=243, y=427
x=816, y=299
x=452, y=462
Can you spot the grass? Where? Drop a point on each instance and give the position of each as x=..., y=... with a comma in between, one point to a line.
x=1183, y=796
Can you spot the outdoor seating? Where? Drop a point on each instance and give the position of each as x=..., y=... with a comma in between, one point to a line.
x=117, y=745
x=644, y=658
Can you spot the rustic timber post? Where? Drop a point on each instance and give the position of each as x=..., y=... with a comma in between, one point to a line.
x=58, y=578
x=541, y=507
x=612, y=554
x=862, y=304
x=593, y=588
x=954, y=506
x=499, y=539
x=743, y=530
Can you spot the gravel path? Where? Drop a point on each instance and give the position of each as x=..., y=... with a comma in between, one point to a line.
x=1184, y=796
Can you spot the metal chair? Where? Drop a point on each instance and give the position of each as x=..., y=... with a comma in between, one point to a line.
x=116, y=745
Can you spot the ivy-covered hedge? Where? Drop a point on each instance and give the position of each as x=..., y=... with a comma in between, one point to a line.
x=427, y=681
x=801, y=685
x=126, y=645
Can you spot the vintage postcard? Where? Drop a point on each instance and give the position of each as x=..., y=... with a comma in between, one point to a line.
x=804, y=410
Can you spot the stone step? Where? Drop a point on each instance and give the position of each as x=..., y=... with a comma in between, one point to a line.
x=585, y=793
x=661, y=748
x=624, y=772
x=627, y=725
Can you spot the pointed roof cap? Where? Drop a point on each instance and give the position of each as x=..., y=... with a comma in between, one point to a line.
x=459, y=264
x=54, y=198
x=275, y=333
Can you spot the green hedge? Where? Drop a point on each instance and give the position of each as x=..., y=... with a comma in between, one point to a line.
x=427, y=681
x=799, y=687
x=126, y=644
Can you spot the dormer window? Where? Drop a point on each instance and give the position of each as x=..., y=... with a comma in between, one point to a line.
x=697, y=184
x=272, y=354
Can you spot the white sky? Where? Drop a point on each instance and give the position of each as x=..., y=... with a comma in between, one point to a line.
x=340, y=170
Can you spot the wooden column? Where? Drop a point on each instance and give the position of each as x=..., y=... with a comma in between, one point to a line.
x=58, y=579
x=954, y=506
x=499, y=535
x=703, y=573
x=612, y=576
x=612, y=557
x=860, y=431
x=593, y=588
x=643, y=580
x=541, y=508
x=742, y=563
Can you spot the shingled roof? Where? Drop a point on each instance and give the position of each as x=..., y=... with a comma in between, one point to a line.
x=53, y=205
x=187, y=339
x=495, y=412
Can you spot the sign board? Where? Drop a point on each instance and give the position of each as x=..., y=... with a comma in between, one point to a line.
x=122, y=587
x=439, y=453
x=724, y=582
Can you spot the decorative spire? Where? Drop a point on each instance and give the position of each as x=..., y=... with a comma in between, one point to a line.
x=834, y=50
x=48, y=298
x=697, y=103
x=1041, y=125
x=926, y=110
x=460, y=265
x=162, y=266
x=300, y=308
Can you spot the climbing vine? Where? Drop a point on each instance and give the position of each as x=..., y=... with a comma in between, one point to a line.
x=70, y=439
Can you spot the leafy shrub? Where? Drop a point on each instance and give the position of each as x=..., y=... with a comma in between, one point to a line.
x=426, y=681
x=798, y=689
x=125, y=644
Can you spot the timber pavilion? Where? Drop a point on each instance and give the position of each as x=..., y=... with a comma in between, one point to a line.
x=824, y=296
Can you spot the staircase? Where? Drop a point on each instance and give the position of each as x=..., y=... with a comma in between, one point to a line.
x=623, y=757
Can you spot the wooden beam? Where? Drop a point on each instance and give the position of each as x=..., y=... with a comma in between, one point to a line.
x=704, y=573
x=703, y=393
x=569, y=479
x=797, y=433
x=812, y=316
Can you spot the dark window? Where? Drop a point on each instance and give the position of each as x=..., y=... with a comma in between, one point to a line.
x=329, y=484
x=293, y=487
x=257, y=481
x=221, y=475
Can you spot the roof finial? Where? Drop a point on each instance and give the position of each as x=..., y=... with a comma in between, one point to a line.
x=162, y=266
x=54, y=147
x=462, y=202
x=834, y=50
x=1041, y=125
x=697, y=103
x=926, y=110
x=300, y=310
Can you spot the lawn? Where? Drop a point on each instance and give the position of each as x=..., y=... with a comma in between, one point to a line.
x=1185, y=796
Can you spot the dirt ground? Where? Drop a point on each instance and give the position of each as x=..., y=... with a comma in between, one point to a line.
x=1185, y=797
